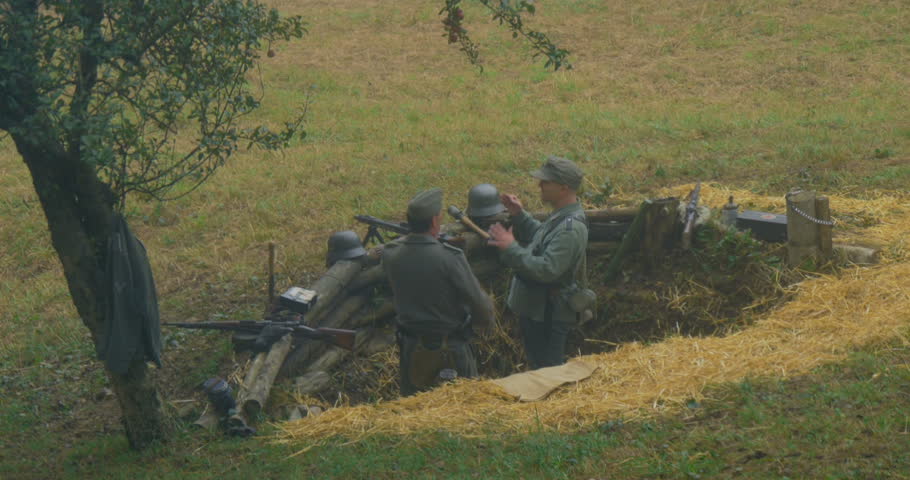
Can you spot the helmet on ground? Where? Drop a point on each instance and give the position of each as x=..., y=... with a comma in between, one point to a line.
x=483, y=201
x=344, y=245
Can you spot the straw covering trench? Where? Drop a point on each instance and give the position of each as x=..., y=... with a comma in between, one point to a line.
x=828, y=317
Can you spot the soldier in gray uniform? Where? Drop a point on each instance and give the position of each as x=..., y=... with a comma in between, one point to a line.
x=438, y=299
x=546, y=258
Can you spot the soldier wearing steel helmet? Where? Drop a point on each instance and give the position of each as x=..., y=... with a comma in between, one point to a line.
x=344, y=245
x=545, y=258
x=438, y=299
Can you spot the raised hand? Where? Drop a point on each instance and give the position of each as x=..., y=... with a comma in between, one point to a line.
x=512, y=203
x=500, y=237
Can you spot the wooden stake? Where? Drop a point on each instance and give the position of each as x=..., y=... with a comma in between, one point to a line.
x=823, y=212
x=271, y=274
x=629, y=242
x=802, y=233
x=660, y=229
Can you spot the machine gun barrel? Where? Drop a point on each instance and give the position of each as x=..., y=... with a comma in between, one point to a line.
x=399, y=228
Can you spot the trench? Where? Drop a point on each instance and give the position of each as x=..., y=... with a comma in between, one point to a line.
x=722, y=284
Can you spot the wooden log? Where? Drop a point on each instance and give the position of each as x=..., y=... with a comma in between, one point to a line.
x=252, y=373
x=607, y=232
x=602, y=248
x=326, y=361
x=802, y=233
x=329, y=286
x=306, y=350
x=312, y=382
x=629, y=243
x=364, y=340
x=346, y=308
x=258, y=391
x=622, y=214
x=823, y=212
x=372, y=316
x=380, y=341
x=856, y=254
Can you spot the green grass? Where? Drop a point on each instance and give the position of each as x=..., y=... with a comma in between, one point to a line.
x=847, y=420
x=763, y=95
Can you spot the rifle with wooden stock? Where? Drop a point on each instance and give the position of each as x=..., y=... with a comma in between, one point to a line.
x=269, y=332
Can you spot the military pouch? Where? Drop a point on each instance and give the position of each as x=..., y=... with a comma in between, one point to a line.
x=426, y=364
x=582, y=299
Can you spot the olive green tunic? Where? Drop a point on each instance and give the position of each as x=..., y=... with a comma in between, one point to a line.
x=545, y=260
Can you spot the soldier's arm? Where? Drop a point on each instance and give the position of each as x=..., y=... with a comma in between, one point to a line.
x=469, y=289
x=559, y=256
x=524, y=225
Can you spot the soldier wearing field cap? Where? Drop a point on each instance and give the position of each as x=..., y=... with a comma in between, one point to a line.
x=438, y=299
x=546, y=258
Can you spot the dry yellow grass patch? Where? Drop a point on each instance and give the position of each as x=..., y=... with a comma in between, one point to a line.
x=828, y=317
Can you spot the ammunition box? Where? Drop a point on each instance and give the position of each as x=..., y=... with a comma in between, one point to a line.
x=769, y=227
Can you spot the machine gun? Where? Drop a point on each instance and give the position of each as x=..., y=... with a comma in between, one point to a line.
x=401, y=228
x=269, y=332
x=376, y=223
x=691, y=215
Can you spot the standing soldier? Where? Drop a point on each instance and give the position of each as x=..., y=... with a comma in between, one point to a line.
x=546, y=260
x=437, y=298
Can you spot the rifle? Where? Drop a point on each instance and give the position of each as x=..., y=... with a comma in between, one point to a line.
x=336, y=336
x=691, y=214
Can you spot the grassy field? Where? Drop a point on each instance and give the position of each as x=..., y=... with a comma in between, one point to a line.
x=764, y=95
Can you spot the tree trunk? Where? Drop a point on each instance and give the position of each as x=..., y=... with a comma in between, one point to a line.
x=78, y=207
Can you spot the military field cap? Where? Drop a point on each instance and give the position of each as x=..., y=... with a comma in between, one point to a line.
x=560, y=170
x=425, y=205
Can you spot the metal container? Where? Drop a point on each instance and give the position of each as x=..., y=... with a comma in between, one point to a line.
x=770, y=227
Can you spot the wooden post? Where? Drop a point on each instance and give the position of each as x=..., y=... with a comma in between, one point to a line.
x=271, y=276
x=823, y=212
x=659, y=228
x=802, y=233
x=629, y=241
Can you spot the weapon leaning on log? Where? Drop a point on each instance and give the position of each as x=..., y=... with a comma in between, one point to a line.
x=270, y=332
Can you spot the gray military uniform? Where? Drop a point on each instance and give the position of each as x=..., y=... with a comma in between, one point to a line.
x=434, y=287
x=438, y=300
x=546, y=260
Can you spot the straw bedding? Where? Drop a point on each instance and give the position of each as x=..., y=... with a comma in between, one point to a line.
x=828, y=317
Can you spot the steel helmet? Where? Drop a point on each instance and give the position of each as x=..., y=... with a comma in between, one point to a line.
x=344, y=245
x=483, y=201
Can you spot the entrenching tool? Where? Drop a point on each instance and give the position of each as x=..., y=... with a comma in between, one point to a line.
x=457, y=214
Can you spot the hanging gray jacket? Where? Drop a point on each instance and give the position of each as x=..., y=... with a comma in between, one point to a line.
x=131, y=326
